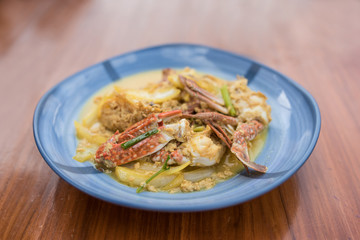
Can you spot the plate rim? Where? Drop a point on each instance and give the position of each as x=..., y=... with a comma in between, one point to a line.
x=188, y=208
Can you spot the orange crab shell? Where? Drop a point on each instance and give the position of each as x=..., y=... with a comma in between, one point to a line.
x=116, y=154
x=113, y=154
x=247, y=132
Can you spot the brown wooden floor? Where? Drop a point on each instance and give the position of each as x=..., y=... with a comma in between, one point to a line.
x=317, y=43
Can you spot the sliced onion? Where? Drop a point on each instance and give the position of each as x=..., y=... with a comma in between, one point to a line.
x=199, y=174
x=177, y=169
x=175, y=183
x=150, y=166
x=162, y=180
x=136, y=177
x=86, y=155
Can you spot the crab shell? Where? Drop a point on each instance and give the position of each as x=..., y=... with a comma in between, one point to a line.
x=111, y=153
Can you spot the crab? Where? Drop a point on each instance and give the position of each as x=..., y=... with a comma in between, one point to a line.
x=244, y=133
x=201, y=150
x=111, y=153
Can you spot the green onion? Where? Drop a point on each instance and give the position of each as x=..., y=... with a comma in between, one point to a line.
x=139, y=138
x=163, y=169
x=226, y=96
x=199, y=129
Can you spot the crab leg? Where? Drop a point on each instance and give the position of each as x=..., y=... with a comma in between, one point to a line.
x=213, y=116
x=219, y=132
x=195, y=91
x=247, y=132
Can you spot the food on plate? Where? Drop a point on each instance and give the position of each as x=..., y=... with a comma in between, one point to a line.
x=183, y=133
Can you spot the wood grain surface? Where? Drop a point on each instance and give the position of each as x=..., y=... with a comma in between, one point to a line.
x=317, y=43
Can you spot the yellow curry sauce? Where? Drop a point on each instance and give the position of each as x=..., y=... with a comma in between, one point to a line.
x=140, y=170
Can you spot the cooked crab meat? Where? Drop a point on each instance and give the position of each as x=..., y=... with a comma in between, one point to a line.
x=249, y=104
x=202, y=150
x=258, y=112
x=179, y=130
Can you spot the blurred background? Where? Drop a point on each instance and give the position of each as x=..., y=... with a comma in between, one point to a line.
x=56, y=38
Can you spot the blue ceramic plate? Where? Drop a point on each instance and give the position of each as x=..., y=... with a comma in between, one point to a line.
x=292, y=134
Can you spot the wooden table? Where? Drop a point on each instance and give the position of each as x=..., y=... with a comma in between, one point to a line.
x=314, y=42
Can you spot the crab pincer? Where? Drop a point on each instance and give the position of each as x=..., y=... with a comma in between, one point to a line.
x=239, y=145
x=245, y=133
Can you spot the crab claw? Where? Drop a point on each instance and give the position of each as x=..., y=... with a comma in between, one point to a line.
x=195, y=91
x=246, y=132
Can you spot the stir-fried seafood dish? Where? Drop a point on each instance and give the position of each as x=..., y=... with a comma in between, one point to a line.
x=186, y=132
